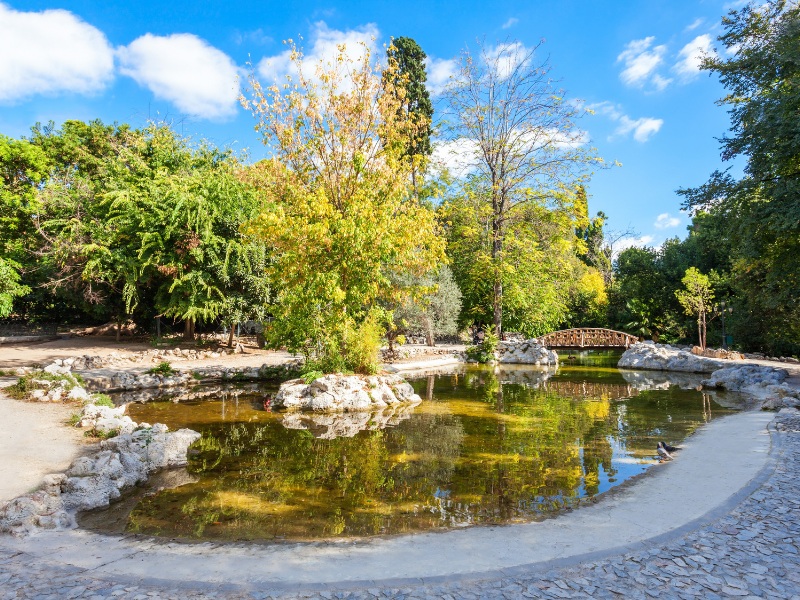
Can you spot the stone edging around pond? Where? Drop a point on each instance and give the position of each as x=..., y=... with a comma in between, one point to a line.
x=761, y=382
x=113, y=380
x=95, y=480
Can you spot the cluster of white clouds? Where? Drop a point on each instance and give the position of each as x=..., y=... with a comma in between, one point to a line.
x=663, y=221
x=644, y=63
x=54, y=52
x=324, y=48
x=184, y=70
x=633, y=241
x=666, y=221
x=641, y=129
x=51, y=52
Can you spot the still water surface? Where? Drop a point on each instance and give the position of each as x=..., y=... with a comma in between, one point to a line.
x=486, y=445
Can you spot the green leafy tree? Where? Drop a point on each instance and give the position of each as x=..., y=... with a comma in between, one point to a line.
x=338, y=213
x=539, y=265
x=697, y=299
x=174, y=217
x=760, y=69
x=23, y=167
x=520, y=138
x=432, y=305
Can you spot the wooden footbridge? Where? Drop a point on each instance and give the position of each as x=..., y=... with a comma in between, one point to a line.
x=585, y=337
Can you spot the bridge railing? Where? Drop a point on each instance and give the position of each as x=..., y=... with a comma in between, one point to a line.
x=589, y=337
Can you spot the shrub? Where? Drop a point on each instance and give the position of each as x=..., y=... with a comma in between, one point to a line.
x=163, y=368
x=484, y=352
x=311, y=376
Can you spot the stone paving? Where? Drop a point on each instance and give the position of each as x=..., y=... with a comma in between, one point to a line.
x=751, y=552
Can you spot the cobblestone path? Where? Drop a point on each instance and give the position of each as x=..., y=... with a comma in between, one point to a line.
x=752, y=552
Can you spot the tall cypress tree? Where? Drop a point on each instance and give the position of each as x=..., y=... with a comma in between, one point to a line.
x=411, y=76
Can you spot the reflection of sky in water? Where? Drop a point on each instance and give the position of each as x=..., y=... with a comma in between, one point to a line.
x=486, y=446
x=625, y=467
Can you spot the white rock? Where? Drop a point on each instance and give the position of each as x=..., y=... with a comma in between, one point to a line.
x=345, y=393
x=658, y=357
x=528, y=352
x=78, y=393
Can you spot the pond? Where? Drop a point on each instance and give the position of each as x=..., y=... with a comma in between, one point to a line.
x=486, y=446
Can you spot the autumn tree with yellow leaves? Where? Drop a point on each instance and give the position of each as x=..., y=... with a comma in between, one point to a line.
x=338, y=212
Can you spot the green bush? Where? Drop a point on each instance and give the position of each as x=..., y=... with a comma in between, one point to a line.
x=163, y=368
x=484, y=352
x=311, y=376
x=350, y=348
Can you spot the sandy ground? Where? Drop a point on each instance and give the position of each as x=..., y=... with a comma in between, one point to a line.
x=44, y=352
x=35, y=441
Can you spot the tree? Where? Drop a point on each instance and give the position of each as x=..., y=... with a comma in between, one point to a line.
x=538, y=267
x=174, y=228
x=408, y=84
x=23, y=167
x=760, y=68
x=519, y=133
x=432, y=307
x=338, y=214
x=697, y=299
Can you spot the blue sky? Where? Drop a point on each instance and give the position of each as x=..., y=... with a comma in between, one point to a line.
x=633, y=62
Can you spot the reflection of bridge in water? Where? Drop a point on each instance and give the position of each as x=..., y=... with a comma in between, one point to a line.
x=589, y=389
x=588, y=337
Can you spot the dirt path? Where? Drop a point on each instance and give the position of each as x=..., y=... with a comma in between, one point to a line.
x=34, y=441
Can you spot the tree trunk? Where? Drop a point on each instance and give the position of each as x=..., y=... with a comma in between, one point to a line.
x=703, y=317
x=188, y=330
x=230, y=336
x=119, y=329
x=429, y=332
x=497, y=295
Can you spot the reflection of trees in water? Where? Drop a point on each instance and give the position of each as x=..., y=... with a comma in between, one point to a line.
x=479, y=450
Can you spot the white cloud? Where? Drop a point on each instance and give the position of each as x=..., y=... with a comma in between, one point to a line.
x=630, y=242
x=440, y=71
x=641, y=60
x=325, y=43
x=504, y=58
x=510, y=23
x=688, y=65
x=642, y=129
x=182, y=68
x=665, y=221
x=695, y=24
x=458, y=156
x=51, y=52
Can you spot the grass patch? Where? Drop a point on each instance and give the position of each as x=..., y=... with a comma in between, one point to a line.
x=74, y=419
x=163, y=368
x=6, y=373
x=101, y=435
x=41, y=380
x=102, y=400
